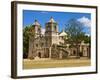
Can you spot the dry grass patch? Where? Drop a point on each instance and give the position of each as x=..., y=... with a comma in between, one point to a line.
x=48, y=63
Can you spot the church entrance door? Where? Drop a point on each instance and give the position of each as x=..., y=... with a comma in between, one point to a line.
x=39, y=55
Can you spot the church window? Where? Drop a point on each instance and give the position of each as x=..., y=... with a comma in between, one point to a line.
x=39, y=30
x=36, y=45
x=55, y=28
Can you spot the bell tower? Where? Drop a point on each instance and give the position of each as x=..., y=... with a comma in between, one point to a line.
x=51, y=32
x=37, y=28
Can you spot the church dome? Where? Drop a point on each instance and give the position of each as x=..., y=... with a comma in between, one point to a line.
x=63, y=33
x=52, y=20
x=36, y=23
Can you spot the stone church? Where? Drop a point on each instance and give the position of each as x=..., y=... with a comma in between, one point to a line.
x=51, y=44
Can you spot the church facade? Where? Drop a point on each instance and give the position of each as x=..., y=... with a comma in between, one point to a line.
x=51, y=44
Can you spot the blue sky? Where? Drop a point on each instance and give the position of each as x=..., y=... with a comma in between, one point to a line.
x=60, y=17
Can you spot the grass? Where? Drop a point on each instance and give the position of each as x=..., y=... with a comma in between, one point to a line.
x=48, y=63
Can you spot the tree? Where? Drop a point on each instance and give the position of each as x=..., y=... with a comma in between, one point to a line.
x=74, y=29
x=27, y=32
x=87, y=39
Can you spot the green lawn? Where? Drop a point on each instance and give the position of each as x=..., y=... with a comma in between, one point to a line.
x=31, y=64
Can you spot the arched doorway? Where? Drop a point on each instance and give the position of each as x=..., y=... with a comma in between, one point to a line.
x=39, y=55
x=81, y=54
x=74, y=52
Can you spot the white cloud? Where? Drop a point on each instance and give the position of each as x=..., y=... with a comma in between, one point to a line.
x=42, y=31
x=87, y=34
x=44, y=12
x=85, y=21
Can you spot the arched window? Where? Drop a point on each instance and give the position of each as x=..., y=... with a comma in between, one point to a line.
x=55, y=27
x=36, y=45
x=39, y=30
